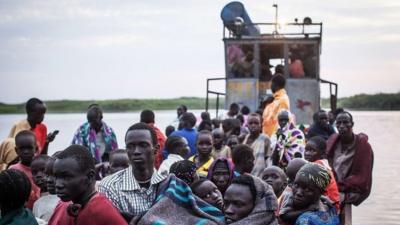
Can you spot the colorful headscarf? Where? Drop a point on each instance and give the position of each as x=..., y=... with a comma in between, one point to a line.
x=317, y=174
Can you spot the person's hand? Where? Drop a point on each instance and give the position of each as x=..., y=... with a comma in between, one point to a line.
x=51, y=136
x=351, y=198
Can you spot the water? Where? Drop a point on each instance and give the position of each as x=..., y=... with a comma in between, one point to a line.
x=382, y=128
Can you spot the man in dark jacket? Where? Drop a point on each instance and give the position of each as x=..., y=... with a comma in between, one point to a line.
x=351, y=157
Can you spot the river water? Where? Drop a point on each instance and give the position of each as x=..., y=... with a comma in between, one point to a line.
x=382, y=207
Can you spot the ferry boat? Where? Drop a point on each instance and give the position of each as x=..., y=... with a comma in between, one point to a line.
x=252, y=50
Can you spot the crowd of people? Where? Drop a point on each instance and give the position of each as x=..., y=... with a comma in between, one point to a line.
x=242, y=168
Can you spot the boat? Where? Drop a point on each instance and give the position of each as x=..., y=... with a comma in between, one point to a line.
x=253, y=49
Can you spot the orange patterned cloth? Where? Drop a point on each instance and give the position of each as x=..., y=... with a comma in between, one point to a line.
x=271, y=111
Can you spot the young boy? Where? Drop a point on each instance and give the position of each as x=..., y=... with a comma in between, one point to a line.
x=43, y=176
x=203, y=158
x=220, y=150
x=275, y=177
x=74, y=172
x=177, y=148
x=26, y=148
x=15, y=188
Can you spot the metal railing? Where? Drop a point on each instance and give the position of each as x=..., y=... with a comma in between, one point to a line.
x=213, y=92
x=333, y=91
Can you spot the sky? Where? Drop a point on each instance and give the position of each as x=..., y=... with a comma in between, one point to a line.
x=71, y=49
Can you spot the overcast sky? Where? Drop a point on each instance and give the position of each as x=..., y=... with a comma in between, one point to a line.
x=70, y=49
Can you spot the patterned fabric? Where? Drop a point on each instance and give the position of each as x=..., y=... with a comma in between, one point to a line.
x=290, y=142
x=317, y=174
x=126, y=194
x=318, y=218
x=87, y=137
x=183, y=206
x=270, y=114
x=258, y=146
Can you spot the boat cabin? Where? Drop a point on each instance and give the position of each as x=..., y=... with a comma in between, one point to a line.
x=254, y=52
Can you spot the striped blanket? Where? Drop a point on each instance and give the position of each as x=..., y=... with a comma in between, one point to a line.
x=176, y=204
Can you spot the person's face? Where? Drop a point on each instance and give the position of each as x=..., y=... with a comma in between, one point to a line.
x=221, y=176
x=218, y=138
x=37, y=115
x=94, y=118
x=305, y=192
x=234, y=110
x=204, y=144
x=50, y=179
x=254, y=124
x=331, y=118
x=232, y=143
x=140, y=149
x=119, y=161
x=344, y=124
x=210, y=193
x=311, y=152
x=283, y=120
x=26, y=148
x=323, y=119
x=238, y=202
x=272, y=177
x=71, y=182
x=39, y=177
x=183, y=147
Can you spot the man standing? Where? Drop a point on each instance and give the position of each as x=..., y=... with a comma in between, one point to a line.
x=281, y=101
x=179, y=112
x=147, y=117
x=134, y=189
x=351, y=157
x=96, y=135
x=321, y=126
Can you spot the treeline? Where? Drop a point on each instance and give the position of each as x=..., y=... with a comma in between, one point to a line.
x=120, y=105
x=379, y=101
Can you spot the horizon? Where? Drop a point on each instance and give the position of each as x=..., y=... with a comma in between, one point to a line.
x=166, y=49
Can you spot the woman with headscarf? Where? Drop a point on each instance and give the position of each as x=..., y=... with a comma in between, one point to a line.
x=310, y=183
x=221, y=173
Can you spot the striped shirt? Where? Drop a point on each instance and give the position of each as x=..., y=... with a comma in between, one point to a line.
x=126, y=194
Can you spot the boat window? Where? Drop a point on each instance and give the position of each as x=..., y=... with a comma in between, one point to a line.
x=240, y=60
x=302, y=61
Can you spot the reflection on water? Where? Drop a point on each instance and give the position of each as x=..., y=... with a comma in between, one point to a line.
x=382, y=128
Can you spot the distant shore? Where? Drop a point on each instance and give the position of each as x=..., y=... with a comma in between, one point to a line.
x=357, y=102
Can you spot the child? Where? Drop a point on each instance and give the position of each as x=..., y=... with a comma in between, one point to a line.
x=315, y=152
x=15, y=188
x=221, y=173
x=207, y=191
x=203, y=158
x=275, y=177
x=177, y=148
x=220, y=150
x=232, y=141
x=42, y=171
x=74, y=172
x=243, y=158
x=119, y=160
x=26, y=148
x=310, y=183
x=185, y=170
x=259, y=142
